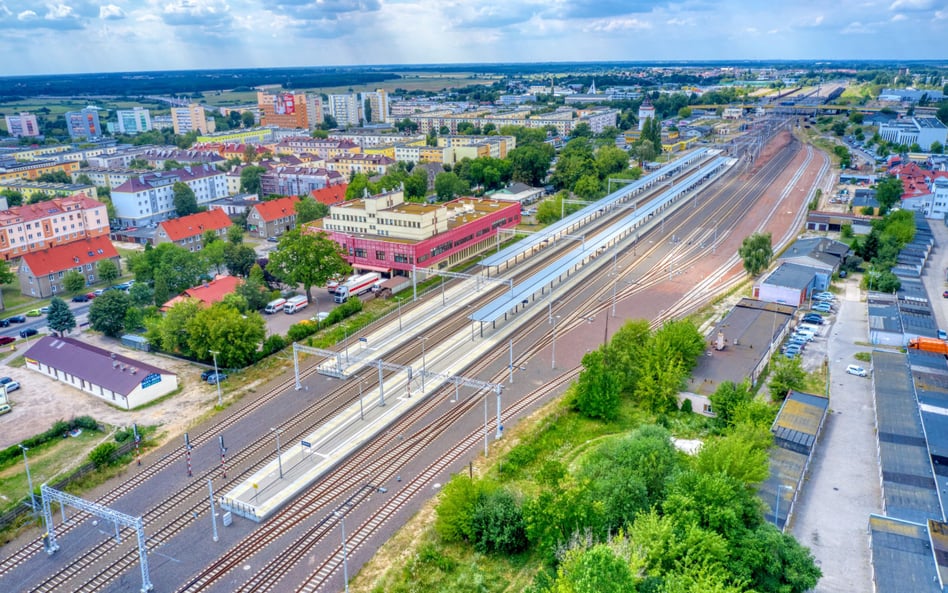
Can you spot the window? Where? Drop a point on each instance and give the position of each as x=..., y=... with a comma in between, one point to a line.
x=91, y=278
x=380, y=255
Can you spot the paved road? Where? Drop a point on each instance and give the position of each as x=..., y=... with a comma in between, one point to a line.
x=934, y=275
x=843, y=485
x=39, y=323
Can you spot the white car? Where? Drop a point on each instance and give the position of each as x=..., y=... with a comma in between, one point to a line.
x=857, y=370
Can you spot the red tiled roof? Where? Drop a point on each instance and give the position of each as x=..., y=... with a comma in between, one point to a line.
x=178, y=229
x=274, y=209
x=330, y=195
x=70, y=255
x=208, y=293
x=39, y=210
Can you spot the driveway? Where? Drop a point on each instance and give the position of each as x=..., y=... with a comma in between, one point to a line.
x=843, y=486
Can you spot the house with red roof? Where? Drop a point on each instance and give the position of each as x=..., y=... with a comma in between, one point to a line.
x=38, y=226
x=188, y=231
x=41, y=272
x=272, y=218
x=923, y=190
x=332, y=195
x=207, y=293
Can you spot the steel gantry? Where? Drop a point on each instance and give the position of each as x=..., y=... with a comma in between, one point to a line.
x=333, y=371
x=479, y=385
x=118, y=520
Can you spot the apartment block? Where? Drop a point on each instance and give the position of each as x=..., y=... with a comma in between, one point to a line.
x=191, y=118
x=23, y=125
x=11, y=170
x=149, y=198
x=84, y=124
x=345, y=109
x=30, y=189
x=41, y=273
x=35, y=227
x=370, y=164
x=284, y=110
x=375, y=106
x=133, y=121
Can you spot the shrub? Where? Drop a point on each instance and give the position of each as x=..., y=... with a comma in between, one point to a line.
x=101, y=456
x=459, y=498
x=497, y=524
x=85, y=423
x=686, y=406
x=274, y=343
x=300, y=331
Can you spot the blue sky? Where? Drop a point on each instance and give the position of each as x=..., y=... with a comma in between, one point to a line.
x=53, y=36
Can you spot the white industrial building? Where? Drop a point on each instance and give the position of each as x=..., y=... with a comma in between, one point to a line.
x=923, y=131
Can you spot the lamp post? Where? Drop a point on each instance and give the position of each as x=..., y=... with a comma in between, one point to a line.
x=424, y=367
x=278, y=431
x=29, y=479
x=361, y=412
x=217, y=378
x=777, y=509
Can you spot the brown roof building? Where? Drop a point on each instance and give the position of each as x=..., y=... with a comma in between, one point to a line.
x=272, y=218
x=41, y=272
x=188, y=231
x=39, y=226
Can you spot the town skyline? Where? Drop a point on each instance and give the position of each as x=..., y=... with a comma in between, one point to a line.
x=80, y=36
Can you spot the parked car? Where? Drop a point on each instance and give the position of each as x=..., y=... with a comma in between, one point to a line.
x=30, y=331
x=822, y=307
x=857, y=370
x=824, y=295
x=81, y=298
x=17, y=319
x=4, y=340
x=5, y=380
x=4, y=323
x=34, y=313
x=942, y=334
x=12, y=386
x=273, y=240
x=944, y=295
x=206, y=374
x=215, y=378
x=813, y=318
x=5, y=408
x=98, y=291
x=44, y=310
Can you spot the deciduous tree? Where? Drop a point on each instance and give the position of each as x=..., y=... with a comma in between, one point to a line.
x=307, y=259
x=73, y=281
x=107, y=313
x=756, y=251
x=108, y=271
x=222, y=328
x=185, y=202
x=308, y=209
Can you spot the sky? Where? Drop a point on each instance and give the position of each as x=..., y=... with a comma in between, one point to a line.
x=68, y=36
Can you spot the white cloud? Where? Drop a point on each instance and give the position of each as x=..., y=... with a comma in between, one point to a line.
x=912, y=5
x=26, y=15
x=111, y=12
x=620, y=24
x=858, y=28
x=898, y=17
x=58, y=11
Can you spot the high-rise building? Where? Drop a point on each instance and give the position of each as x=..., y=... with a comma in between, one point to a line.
x=284, y=110
x=84, y=124
x=22, y=125
x=345, y=109
x=646, y=111
x=133, y=121
x=190, y=118
x=375, y=106
x=314, y=110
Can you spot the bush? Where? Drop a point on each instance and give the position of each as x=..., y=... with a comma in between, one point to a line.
x=686, y=406
x=85, y=423
x=497, y=524
x=459, y=499
x=300, y=331
x=101, y=456
x=274, y=343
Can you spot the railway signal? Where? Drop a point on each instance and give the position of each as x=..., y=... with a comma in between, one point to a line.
x=138, y=451
x=187, y=452
x=220, y=440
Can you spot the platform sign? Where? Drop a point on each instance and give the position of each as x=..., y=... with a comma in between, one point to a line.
x=306, y=444
x=227, y=518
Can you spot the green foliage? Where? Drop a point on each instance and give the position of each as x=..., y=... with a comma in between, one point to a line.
x=60, y=319
x=456, y=507
x=170, y=332
x=728, y=398
x=307, y=259
x=185, y=202
x=497, y=524
x=889, y=193
x=107, y=313
x=141, y=295
x=756, y=251
x=250, y=179
x=449, y=186
x=773, y=562
x=594, y=570
x=108, y=271
x=554, y=515
x=239, y=259
x=170, y=267
x=223, y=329
x=845, y=157
x=741, y=455
x=102, y=455
x=73, y=281
x=597, y=390
x=530, y=163
x=785, y=374
x=308, y=209
x=715, y=502
x=273, y=344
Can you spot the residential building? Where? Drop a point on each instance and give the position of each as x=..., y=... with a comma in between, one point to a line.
x=370, y=164
x=923, y=131
x=29, y=189
x=330, y=195
x=133, y=121
x=11, y=170
x=563, y=119
x=345, y=109
x=284, y=110
x=375, y=106
x=207, y=293
x=23, y=125
x=244, y=136
x=188, y=231
x=41, y=272
x=236, y=204
x=323, y=148
x=383, y=233
x=157, y=157
x=149, y=198
x=790, y=284
x=37, y=152
x=518, y=192
x=114, y=378
x=108, y=177
x=417, y=153
x=191, y=118
x=39, y=226
x=84, y=124
x=369, y=138
x=272, y=218
x=472, y=147
x=646, y=111
x=297, y=181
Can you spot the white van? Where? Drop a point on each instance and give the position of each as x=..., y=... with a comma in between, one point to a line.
x=297, y=303
x=275, y=306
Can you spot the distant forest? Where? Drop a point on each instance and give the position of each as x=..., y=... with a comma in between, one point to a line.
x=135, y=84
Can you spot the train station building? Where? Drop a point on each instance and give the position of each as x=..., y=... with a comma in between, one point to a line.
x=384, y=233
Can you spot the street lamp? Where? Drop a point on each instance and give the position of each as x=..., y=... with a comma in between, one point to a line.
x=777, y=509
x=29, y=479
x=217, y=378
x=423, y=365
x=278, y=431
x=361, y=412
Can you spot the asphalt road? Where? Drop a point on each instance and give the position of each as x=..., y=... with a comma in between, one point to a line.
x=80, y=310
